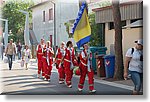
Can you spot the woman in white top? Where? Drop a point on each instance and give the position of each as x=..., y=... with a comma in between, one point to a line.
x=134, y=62
x=26, y=56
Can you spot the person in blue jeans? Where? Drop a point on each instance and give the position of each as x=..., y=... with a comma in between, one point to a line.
x=134, y=66
x=10, y=51
x=19, y=47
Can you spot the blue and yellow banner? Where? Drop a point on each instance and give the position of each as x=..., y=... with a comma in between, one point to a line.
x=81, y=29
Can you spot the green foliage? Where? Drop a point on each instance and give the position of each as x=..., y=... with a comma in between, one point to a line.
x=16, y=19
x=96, y=32
x=67, y=29
x=104, y=4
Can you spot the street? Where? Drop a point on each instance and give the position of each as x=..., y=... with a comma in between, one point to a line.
x=25, y=82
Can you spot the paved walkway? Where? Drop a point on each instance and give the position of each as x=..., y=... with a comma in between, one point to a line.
x=21, y=81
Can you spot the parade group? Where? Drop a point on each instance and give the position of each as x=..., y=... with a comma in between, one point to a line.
x=65, y=61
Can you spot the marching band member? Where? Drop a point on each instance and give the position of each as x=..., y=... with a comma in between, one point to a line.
x=49, y=58
x=58, y=58
x=69, y=60
x=39, y=53
x=86, y=68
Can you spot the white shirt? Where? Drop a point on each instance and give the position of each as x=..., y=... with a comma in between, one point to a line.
x=27, y=54
x=62, y=50
x=89, y=59
x=135, y=63
x=70, y=49
x=41, y=46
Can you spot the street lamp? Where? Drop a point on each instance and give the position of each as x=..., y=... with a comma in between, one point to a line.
x=6, y=31
x=54, y=24
x=26, y=31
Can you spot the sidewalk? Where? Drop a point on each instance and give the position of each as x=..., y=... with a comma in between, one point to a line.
x=124, y=82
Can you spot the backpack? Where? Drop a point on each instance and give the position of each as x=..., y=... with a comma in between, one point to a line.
x=131, y=53
x=129, y=75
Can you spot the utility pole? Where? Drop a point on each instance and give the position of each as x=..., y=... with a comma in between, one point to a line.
x=54, y=24
x=6, y=31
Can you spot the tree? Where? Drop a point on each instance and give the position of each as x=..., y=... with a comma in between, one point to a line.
x=16, y=20
x=96, y=32
x=118, y=40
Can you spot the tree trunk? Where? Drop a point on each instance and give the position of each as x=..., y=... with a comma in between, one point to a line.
x=118, y=40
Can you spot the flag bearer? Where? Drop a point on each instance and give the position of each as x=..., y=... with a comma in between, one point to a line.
x=59, y=55
x=86, y=68
x=40, y=57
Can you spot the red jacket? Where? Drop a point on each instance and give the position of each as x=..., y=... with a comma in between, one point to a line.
x=67, y=58
x=44, y=52
x=59, y=56
x=39, y=52
x=49, y=55
x=83, y=62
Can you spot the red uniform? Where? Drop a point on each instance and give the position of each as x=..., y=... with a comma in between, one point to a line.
x=44, y=61
x=40, y=58
x=61, y=70
x=49, y=59
x=86, y=68
x=69, y=60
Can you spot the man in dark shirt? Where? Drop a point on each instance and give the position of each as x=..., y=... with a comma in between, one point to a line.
x=19, y=50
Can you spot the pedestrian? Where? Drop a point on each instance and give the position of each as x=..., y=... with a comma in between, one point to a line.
x=19, y=47
x=60, y=66
x=26, y=56
x=49, y=58
x=134, y=65
x=69, y=59
x=86, y=68
x=10, y=51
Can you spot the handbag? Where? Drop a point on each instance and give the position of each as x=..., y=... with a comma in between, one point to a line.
x=5, y=59
x=77, y=71
x=22, y=63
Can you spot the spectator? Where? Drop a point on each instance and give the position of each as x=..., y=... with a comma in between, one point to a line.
x=19, y=46
x=26, y=56
x=10, y=51
x=134, y=62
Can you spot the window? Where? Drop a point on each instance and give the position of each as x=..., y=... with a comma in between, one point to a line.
x=123, y=23
x=43, y=16
x=51, y=14
x=135, y=23
x=133, y=20
x=110, y=25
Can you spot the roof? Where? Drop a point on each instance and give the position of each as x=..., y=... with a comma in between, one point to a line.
x=39, y=4
x=122, y=4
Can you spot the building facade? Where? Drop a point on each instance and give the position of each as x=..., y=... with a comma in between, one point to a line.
x=43, y=19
